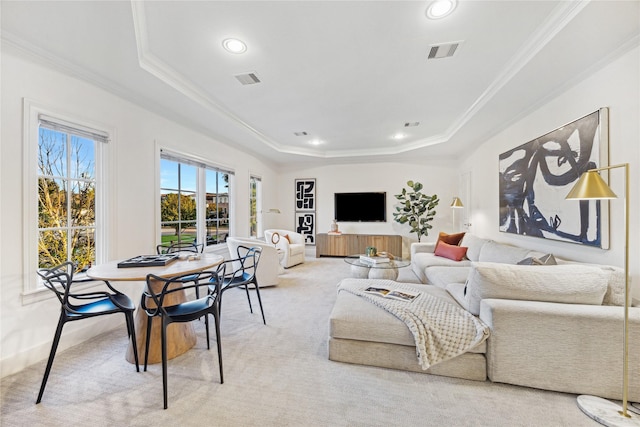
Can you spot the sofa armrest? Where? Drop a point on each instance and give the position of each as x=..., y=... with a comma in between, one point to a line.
x=416, y=248
x=569, y=348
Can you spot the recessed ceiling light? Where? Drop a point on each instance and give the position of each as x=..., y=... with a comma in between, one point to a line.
x=440, y=8
x=398, y=136
x=316, y=142
x=234, y=45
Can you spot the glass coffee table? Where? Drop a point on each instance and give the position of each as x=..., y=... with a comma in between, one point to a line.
x=367, y=270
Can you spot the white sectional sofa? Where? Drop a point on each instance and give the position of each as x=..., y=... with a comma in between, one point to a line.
x=557, y=327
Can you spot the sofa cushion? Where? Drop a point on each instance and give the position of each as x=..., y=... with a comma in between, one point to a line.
x=452, y=252
x=452, y=239
x=572, y=284
x=615, y=286
x=442, y=276
x=474, y=244
x=499, y=252
x=424, y=260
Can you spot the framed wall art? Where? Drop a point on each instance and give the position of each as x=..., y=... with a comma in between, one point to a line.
x=535, y=177
x=305, y=209
x=306, y=225
x=305, y=194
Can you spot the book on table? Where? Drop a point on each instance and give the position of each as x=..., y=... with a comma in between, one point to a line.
x=398, y=294
x=377, y=259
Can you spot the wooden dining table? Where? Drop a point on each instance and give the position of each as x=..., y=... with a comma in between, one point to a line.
x=180, y=336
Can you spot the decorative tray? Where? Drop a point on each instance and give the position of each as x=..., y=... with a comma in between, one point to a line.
x=148, y=261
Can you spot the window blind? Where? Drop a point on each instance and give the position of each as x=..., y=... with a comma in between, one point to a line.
x=167, y=155
x=56, y=124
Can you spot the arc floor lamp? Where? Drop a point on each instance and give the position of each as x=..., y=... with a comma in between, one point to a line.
x=591, y=186
x=456, y=204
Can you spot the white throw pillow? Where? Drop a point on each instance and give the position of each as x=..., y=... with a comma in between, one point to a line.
x=570, y=284
x=474, y=245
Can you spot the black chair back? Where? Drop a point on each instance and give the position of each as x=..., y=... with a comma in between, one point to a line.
x=246, y=265
x=245, y=268
x=180, y=247
x=58, y=279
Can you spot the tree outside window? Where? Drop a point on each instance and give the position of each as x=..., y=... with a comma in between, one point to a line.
x=185, y=187
x=66, y=199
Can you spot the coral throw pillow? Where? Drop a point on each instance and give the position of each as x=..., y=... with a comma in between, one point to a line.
x=456, y=253
x=452, y=239
x=286, y=236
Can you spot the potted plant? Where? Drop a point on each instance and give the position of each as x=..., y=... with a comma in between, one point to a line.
x=416, y=208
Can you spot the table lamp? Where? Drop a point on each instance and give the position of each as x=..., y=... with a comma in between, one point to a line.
x=591, y=186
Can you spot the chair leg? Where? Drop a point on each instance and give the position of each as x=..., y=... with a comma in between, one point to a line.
x=220, y=301
x=260, y=301
x=132, y=334
x=164, y=361
x=146, y=345
x=246, y=289
x=216, y=318
x=206, y=327
x=52, y=355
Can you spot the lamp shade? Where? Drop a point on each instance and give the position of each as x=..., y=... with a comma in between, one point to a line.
x=590, y=186
x=457, y=203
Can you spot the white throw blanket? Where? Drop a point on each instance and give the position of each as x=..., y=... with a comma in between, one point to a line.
x=441, y=330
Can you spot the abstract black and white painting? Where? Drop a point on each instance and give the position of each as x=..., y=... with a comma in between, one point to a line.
x=535, y=177
x=305, y=194
x=306, y=225
x=305, y=209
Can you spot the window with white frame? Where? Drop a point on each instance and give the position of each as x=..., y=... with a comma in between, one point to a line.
x=194, y=201
x=255, y=206
x=65, y=194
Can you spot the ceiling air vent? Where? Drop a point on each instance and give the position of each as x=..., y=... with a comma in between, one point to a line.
x=303, y=133
x=248, y=78
x=443, y=50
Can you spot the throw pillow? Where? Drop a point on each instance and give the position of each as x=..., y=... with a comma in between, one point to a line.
x=569, y=284
x=286, y=236
x=452, y=252
x=452, y=239
x=547, y=259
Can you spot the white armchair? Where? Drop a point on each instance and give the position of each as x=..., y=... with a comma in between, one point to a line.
x=268, y=266
x=290, y=243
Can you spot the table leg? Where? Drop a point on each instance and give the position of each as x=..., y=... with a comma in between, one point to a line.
x=359, y=272
x=180, y=336
x=383, y=273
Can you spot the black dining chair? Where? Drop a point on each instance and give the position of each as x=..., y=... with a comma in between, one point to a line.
x=85, y=305
x=175, y=247
x=243, y=273
x=153, y=303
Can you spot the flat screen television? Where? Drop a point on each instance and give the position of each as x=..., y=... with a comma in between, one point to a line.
x=360, y=207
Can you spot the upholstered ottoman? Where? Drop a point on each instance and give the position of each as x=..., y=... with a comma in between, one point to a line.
x=365, y=334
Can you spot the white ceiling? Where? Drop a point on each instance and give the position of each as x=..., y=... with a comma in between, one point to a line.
x=348, y=73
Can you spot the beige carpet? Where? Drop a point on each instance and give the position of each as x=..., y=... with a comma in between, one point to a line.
x=275, y=375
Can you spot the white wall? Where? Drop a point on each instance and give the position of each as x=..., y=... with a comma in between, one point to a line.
x=617, y=87
x=27, y=330
x=388, y=177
